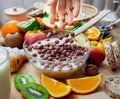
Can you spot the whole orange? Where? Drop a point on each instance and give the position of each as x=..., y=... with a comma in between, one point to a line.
x=9, y=27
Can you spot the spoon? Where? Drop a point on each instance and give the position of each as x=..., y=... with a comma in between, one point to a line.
x=91, y=22
x=106, y=29
x=113, y=23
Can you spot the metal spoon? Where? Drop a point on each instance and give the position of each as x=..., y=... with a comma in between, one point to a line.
x=91, y=22
x=113, y=23
x=106, y=29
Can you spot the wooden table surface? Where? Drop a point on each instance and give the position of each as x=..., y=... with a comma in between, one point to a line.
x=98, y=94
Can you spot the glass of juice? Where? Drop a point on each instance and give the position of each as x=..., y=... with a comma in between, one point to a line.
x=4, y=74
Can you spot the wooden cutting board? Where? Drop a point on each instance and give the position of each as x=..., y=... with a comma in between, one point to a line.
x=97, y=94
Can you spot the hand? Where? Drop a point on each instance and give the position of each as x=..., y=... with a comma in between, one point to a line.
x=67, y=10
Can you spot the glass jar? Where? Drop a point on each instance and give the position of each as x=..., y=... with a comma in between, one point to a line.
x=113, y=15
x=4, y=74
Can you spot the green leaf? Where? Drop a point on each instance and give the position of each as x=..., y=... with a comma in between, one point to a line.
x=78, y=25
x=33, y=26
x=46, y=15
x=104, y=37
x=42, y=27
x=107, y=36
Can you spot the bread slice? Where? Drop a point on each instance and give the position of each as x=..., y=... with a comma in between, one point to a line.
x=109, y=55
x=112, y=86
x=116, y=52
x=17, y=57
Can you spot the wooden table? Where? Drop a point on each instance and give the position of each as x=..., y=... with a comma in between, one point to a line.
x=98, y=94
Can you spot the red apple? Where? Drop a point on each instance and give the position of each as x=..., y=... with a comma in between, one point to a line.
x=48, y=25
x=33, y=37
x=56, y=25
x=30, y=33
x=97, y=54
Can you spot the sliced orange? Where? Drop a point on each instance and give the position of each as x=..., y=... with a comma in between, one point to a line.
x=93, y=33
x=109, y=39
x=84, y=85
x=55, y=88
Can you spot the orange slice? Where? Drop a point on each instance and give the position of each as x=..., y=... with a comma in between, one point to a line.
x=106, y=40
x=55, y=88
x=92, y=34
x=84, y=85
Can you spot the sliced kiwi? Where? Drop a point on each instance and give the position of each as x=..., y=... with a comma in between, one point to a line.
x=34, y=91
x=22, y=79
x=23, y=24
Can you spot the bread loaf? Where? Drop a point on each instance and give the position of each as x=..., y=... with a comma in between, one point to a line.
x=109, y=55
x=116, y=52
x=112, y=51
x=112, y=86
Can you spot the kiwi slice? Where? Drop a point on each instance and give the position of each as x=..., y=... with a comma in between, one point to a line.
x=23, y=24
x=22, y=79
x=34, y=91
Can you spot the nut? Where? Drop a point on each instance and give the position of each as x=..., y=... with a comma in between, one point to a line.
x=91, y=70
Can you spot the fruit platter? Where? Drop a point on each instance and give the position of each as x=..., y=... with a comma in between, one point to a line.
x=46, y=64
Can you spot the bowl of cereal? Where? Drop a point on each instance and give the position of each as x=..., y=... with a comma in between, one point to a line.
x=58, y=56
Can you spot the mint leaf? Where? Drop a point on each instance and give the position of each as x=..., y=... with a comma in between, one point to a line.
x=107, y=36
x=42, y=27
x=46, y=15
x=33, y=26
x=78, y=25
x=104, y=36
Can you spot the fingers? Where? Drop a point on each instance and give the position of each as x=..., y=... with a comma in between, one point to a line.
x=76, y=8
x=64, y=6
x=52, y=7
x=69, y=9
x=61, y=12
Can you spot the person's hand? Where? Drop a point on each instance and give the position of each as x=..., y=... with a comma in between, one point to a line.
x=66, y=9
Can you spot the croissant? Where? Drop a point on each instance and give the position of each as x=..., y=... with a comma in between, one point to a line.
x=17, y=57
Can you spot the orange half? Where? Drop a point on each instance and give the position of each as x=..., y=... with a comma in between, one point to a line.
x=106, y=40
x=84, y=85
x=55, y=88
x=93, y=33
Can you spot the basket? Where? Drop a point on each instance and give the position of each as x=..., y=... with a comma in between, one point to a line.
x=86, y=13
